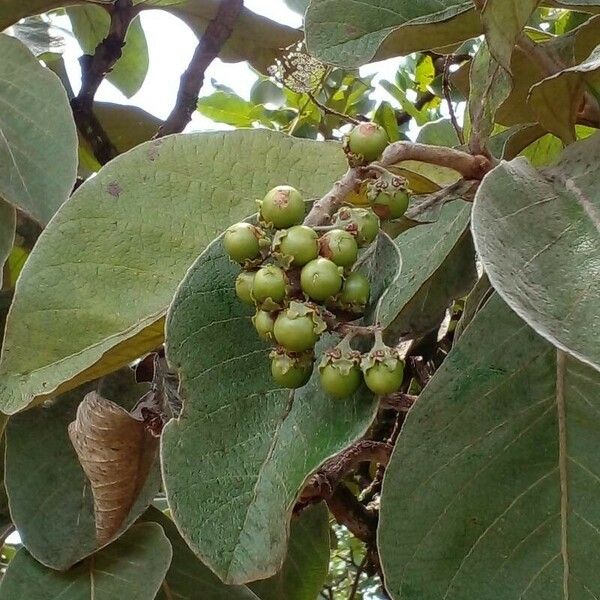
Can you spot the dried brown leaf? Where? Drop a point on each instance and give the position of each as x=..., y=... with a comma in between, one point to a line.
x=116, y=452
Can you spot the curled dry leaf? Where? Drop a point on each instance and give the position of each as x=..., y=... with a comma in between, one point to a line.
x=116, y=452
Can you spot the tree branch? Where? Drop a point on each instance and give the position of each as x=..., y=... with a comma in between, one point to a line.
x=348, y=511
x=211, y=42
x=93, y=70
x=324, y=483
x=469, y=166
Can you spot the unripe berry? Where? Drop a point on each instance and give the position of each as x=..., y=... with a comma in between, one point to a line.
x=241, y=242
x=367, y=140
x=296, y=246
x=243, y=286
x=264, y=322
x=282, y=207
x=340, y=247
x=298, y=328
x=321, y=279
x=291, y=372
x=269, y=286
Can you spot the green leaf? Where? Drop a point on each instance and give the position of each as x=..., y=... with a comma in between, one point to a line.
x=424, y=73
x=126, y=126
x=49, y=495
x=437, y=267
x=37, y=134
x=557, y=99
x=133, y=567
x=239, y=431
x=90, y=26
x=8, y=224
x=229, y=108
x=113, y=296
x=348, y=33
x=503, y=22
x=490, y=87
x=490, y=492
x=307, y=562
x=187, y=578
x=438, y=133
x=536, y=233
x=385, y=116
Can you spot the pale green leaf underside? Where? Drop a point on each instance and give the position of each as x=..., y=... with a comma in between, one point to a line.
x=538, y=237
x=49, y=494
x=8, y=222
x=556, y=100
x=109, y=263
x=133, y=567
x=235, y=459
x=38, y=142
x=491, y=491
x=423, y=249
x=349, y=32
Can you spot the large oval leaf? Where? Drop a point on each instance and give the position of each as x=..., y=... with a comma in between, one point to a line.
x=492, y=491
x=538, y=236
x=105, y=269
x=49, y=494
x=133, y=567
x=349, y=33
x=38, y=142
x=234, y=461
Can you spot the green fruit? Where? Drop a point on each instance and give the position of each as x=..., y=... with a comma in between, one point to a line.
x=384, y=377
x=339, y=383
x=289, y=372
x=300, y=243
x=263, y=323
x=320, y=279
x=282, y=207
x=241, y=242
x=269, y=283
x=339, y=247
x=391, y=205
x=368, y=140
x=243, y=286
x=296, y=332
x=355, y=291
x=367, y=223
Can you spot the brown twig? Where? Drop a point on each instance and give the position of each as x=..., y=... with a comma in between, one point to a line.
x=348, y=511
x=399, y=401
x=322, y=209
x=448, y=98
x=324, y=483
x=359, y=571
x=93, y=70
x=211, y=42
x=330, y=111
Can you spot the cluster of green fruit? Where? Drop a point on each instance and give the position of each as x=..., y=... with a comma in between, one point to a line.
x=298, y=280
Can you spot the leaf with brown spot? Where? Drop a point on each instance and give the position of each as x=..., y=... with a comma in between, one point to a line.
x=116, y=453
